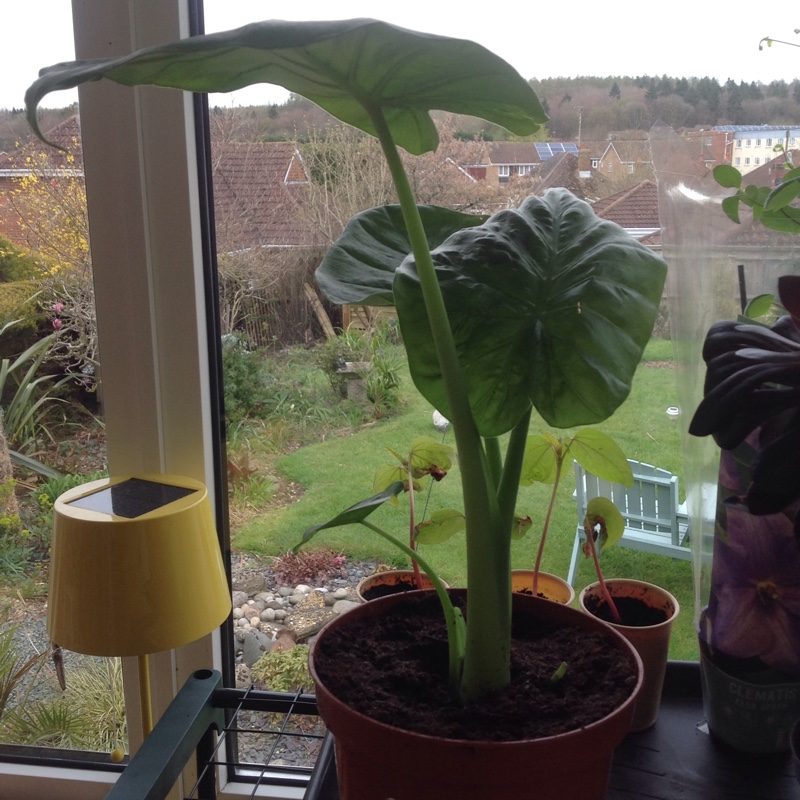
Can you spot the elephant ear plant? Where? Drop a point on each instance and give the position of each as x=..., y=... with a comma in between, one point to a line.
x=545, y=306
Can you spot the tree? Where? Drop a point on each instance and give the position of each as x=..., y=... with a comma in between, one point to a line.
x=615, y=93
x=50, y=200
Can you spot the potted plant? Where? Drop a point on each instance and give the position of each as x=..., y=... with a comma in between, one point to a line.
x=544, y=460
x=426, y=459
x=544, y=307
x=750, y=629
x=642, y=612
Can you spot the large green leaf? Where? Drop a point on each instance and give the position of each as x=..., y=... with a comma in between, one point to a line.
x=548, y=305
x=360, y=266
x=350, y=68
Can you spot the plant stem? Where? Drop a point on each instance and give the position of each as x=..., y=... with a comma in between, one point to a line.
x=546, y=526
x=454, y=622
x=411, y=524
x=589, y=530
x=488, y=639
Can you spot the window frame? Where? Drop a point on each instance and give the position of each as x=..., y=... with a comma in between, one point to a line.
x=150, y=247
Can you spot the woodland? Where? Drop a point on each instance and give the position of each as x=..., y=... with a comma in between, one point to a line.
x=589, y=108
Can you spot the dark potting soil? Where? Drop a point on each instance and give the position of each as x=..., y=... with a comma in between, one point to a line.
x=633, y=612
x=385, y=589
x=394, y=669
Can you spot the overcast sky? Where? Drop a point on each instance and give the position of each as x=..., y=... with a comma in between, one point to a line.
x=628, y=38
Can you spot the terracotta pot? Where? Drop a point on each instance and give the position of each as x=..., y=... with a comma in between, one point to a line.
x=650, y=641
x=393, y=581
x=377, y=761
x=551, y=587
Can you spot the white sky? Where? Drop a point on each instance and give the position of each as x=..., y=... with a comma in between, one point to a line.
x=628, y=38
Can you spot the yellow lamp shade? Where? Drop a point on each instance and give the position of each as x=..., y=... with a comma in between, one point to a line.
x=135, y=567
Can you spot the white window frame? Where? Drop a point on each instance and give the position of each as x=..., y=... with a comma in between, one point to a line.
x=522, y=169
x=748, y=143
x=756, y=160
x=503, y=171
x=738, y=142
x=142, y=196
x=747, y=162
x=769, y=142
x=737, y=161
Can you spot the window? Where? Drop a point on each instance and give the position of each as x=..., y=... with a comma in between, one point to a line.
x=769, y=142
x=737, y=161
x=738, y=142
x=631, y=168
x=595, y=163
x=756, y=161
x=503, y=172
x=708, y=141
x=748, y=143
x=167, y=422
x=522, y=169
x=767, y=159
x=791, y=141
x=747, y=162
x=758, y=142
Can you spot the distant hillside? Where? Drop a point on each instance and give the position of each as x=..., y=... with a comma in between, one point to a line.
x=617, y=103
x=589, y=107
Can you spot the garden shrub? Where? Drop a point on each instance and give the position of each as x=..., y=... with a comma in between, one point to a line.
x=18, y=302
x=314, y=567
x=244, y=386
x=285, y=670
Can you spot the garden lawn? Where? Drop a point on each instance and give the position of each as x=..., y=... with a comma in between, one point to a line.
x=339, y=472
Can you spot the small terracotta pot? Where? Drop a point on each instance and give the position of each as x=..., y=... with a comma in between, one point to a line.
x=394, y=581
x=551, y=587
x=650, y=641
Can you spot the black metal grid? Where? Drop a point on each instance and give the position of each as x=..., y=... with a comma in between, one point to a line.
x=268, y=737
x=253, y=737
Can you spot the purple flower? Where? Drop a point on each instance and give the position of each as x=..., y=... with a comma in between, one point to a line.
x=58, y=308
x=755, y=595
x=57, y=324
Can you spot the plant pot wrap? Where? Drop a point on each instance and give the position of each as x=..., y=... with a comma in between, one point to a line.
x=750, y=630
x=377, y=761
x=551, y=587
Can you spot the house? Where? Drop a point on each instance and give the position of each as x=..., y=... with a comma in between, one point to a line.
x=751, y=146
x=259, y=188
x=635, y=210
x=504, y=160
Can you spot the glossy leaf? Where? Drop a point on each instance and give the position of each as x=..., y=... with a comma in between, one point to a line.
x=730, y=205
x=759, y=306
x=359, y=268
x=548, y=304
x=349, y=68
x=783, y=194
x=427, y=452
x=727, y=176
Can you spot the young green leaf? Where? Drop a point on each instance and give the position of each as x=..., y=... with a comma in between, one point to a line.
x=601, y=511
x=540, y=462
x=599, y=454
x=444, y=523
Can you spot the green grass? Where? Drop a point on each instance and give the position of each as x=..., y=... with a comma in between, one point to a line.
x=339, y=472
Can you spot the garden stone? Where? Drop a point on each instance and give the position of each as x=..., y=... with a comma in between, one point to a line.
x=302, y=588
x=342, y=606
x=255, y=645
x=238, y=613
x=238, y=598
x=340, y=594
x=285, y=591
x=280, y=615
x=252, y=583
x=268, y=615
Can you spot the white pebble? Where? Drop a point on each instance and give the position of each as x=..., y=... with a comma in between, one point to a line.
x=241, y=622
x=238, y=613
x=254, y=621
x=340, y=594
x=301, y=588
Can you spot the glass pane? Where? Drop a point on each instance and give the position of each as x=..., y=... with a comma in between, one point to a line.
x=54, y=437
